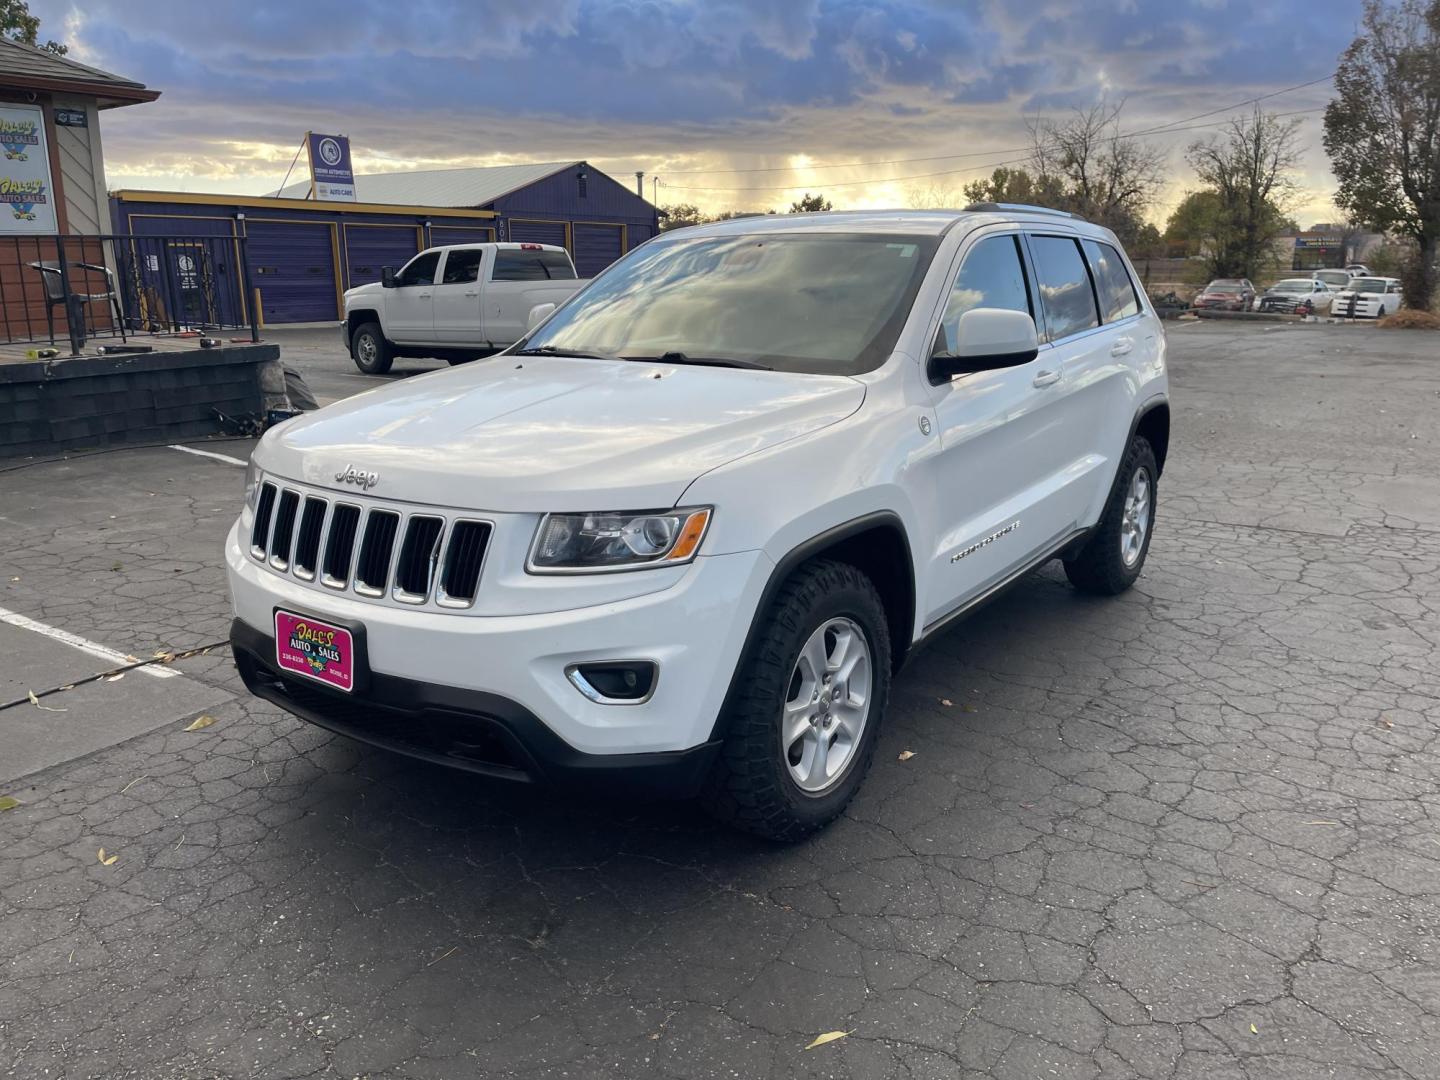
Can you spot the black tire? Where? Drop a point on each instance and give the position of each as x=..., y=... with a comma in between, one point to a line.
x=750, y=787
x=1099, y=566
x=372, y=353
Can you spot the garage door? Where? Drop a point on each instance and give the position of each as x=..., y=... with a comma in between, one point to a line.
x=370, y=247
x=538, y=232
x=460, y=234
x=293, y=266
x=596, y=247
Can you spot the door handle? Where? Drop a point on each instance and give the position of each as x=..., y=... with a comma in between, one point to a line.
x=1122, y=347
x=472, y=294
x=422, y=296
x=1045, y=378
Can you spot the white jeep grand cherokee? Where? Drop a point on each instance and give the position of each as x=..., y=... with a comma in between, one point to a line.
x=685, y=532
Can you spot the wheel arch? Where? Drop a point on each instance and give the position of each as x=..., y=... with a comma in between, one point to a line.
x=1153, y=422
x=875, y=543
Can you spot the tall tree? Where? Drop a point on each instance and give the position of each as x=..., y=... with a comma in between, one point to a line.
x=809, y=204
x=1250, y=166
x=1192, y=223
x=1107, y=177
x=679, y=215
x=1382, y=132
x=1006, y=185
x=17, y=24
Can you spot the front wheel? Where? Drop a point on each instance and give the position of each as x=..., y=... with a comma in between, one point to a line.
x=371, y=352
x=1114, y=555
x=802, y=729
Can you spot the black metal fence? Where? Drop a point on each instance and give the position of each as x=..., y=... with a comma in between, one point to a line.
x=69, y=289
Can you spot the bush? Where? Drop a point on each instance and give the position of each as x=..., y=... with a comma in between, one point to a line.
x=1410, y=319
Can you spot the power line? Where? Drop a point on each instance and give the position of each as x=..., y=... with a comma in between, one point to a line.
x=1159, y=129
x=827, y=184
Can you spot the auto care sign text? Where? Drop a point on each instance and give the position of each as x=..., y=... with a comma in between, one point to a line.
x=27, y=196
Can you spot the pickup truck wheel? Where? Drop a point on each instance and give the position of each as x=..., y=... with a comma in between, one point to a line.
x=803, y=727
x=1114, y=555
x=371, y=352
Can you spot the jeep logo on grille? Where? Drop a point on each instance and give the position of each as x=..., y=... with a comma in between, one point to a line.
x=359, y=477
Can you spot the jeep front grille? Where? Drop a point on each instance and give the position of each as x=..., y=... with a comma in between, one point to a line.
x=375, y=552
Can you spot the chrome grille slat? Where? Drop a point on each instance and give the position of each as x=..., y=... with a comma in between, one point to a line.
x=377, y=552
x=264, y=517
x=339, y=559
x=282, y=536
x=306, y=555
x=415, y=564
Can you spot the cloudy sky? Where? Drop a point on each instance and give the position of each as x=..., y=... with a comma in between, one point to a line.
x=733, y=104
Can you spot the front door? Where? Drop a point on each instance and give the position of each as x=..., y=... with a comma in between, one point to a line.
x=410, y=306
x=457, y=298
x=999, y=477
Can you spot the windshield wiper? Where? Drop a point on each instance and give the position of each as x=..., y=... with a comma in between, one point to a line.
x=581, y=354
x=706, y=361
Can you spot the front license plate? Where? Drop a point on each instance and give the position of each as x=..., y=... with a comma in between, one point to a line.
x=316, y=649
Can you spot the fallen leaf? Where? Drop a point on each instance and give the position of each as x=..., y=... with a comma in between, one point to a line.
x=969, y=708
x=906, y=755
x=946, y=702
x=117, y=566
x=1254, y=1030
x=106, y=860
x=200, y=722
x=116, y=677
x=828, y=1037
x=8, y=802
x=1386, y=722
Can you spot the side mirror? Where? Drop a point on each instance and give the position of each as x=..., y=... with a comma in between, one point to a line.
x=985, y=340
x=387, y=277
x=538, y=314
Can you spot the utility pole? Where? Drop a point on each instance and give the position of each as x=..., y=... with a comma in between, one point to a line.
x=655, y=190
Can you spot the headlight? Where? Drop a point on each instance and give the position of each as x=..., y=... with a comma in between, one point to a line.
x=252, y=483
x=617, y=540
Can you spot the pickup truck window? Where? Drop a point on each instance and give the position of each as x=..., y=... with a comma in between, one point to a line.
x=992, y=276
x=462, y=267
x=1064, y=286
x=813, y=303
x=513, y=265
x=419, y=270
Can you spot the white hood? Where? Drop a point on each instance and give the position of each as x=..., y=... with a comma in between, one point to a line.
x=535, y=434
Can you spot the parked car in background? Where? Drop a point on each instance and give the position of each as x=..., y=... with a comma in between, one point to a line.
x=1338, y=279
x=1296, y=296
x=1226, y=294
x=455, y=302
x=684, y=533
x=1367, y=298
x=1359, y=268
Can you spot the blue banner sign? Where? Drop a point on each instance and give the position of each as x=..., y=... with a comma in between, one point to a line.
x=330, y=170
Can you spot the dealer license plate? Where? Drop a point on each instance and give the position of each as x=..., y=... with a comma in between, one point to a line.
x=315, y=649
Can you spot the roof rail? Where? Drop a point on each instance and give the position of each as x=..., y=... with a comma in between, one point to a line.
x=1018, y=208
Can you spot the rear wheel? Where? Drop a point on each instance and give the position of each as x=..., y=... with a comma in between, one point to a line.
x=371, y=352
x=1114, y=555
x=801, y=732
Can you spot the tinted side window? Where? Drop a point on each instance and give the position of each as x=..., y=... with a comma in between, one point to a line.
x=462, y=267
x=419, y=270
x=521, y=265
x=992, y=276
x=1112, y=282
x=1064, y=286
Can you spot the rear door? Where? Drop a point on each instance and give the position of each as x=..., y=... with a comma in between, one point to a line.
x=410, y=306
x=1083, y=356
x=457, y=298
x=510, y=293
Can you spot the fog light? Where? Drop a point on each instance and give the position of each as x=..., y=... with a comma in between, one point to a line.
x=614, y=682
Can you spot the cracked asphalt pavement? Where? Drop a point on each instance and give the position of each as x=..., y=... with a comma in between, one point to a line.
x=1189, y=833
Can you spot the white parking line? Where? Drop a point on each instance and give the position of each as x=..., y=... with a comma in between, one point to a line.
x=85, y=645
x=210, y=454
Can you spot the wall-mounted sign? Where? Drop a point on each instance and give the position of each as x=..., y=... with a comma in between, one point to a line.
x=1305, y=242
x=71, y=118
x=330, y=173
x=27, y=196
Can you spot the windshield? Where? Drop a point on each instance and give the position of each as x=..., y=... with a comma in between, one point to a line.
x=1369, y=285
x=1293, y=285
x=815, y=303
x=1224, y=284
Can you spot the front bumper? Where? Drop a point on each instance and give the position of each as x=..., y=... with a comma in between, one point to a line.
x=466, y=729
x=693, y=631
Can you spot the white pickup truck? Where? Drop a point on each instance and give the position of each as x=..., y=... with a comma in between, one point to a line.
x=455, y=302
